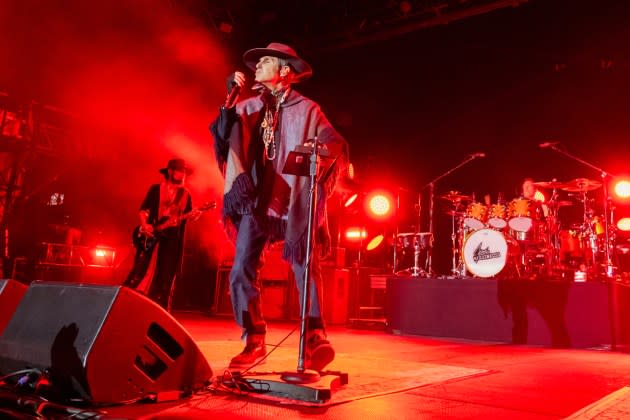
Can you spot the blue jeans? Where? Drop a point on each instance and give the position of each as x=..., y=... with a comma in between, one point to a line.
x=245, y=285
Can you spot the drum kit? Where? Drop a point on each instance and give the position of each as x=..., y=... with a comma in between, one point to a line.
x=525, y=238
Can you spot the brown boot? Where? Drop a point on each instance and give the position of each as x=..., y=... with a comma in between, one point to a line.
x=253, y=352
x=319, y=352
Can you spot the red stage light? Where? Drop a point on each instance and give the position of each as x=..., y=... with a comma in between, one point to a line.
x=379, y=205
x=350, y=171
x=355, y=234
x=100, y=256
x=624, y=224
x=539, y=196
x=351, y=200
x=374, y=242
x=622, y=188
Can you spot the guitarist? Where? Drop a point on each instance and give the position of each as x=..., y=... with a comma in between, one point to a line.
x=163, y=205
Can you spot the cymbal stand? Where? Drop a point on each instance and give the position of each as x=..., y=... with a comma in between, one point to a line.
x=416, y=270
x=588, y=235
x=553, y=226
x=455, y=243
x=609, y=268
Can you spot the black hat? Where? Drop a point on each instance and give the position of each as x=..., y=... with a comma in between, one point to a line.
x=177, y=165
x=275, y=49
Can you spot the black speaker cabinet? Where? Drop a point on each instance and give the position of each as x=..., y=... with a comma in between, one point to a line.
x=103, y=343
x=11, y=293
x=336, y=286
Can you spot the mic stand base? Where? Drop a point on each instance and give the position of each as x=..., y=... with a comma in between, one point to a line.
x=272, y=385
x=305, y=377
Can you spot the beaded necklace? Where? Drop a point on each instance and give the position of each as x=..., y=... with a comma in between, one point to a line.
x=270, y=123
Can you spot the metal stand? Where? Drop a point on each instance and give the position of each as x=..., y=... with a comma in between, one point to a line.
x=609, y=268
x=431, y=186
x=302, y=384
x=303, y=375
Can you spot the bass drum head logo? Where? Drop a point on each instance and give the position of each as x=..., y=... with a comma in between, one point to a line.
x=485, y=253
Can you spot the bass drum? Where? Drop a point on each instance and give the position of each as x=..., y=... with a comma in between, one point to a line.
x=486, y=252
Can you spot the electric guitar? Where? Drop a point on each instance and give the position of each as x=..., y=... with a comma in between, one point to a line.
x=145, y=241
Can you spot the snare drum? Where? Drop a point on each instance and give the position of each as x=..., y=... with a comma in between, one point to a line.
x=497, y=216
x=476, y=215
x=522, y=213
x=486, y=252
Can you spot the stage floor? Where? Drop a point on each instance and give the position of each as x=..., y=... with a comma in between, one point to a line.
x=427, y=378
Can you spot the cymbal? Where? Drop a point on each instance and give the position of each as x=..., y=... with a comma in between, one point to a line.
x=549, y=184
x=581, y=185
x=455, y=196
x=559, y=203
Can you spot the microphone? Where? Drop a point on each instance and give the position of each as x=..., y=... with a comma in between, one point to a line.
x=232, y=96
x=477, y=155
x=548, y=144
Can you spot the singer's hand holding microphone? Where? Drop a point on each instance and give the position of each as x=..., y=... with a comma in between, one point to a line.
x=235, y=84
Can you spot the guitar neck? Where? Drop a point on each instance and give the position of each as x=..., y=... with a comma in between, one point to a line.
x=184, y=217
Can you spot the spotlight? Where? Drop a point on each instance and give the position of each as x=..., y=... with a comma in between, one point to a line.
x=622, y=188
x=539, y=196
x=351, y=200
x=355, y=234
x=375, y=242
x=350, y=171
x=100, y=256
x=379, y=205
x=624, y=224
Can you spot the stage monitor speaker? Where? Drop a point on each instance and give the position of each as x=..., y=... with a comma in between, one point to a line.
x=106, y=344
x=11, y=293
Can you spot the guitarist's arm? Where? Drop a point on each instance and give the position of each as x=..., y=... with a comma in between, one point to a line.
x=145, y=225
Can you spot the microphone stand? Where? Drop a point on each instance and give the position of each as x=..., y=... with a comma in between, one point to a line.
x=609, y=269
x=431, y=186
x=303, y=384
x=303, y=375
x=613, y=300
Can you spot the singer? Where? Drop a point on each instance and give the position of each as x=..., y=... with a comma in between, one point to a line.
x=252, y=140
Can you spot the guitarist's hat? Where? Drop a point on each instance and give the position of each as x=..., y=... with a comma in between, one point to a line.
x=177, y=165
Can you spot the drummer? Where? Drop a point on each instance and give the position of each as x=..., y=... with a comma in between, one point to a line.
x=529, y=190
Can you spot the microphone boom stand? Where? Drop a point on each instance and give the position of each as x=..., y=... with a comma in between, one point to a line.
x=609, y=268
x=431, y=186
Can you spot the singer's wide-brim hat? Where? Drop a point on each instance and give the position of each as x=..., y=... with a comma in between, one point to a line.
x=302, y=69
x=177, y=165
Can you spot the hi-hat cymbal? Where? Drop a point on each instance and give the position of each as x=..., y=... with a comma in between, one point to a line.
x=581, y=185
x=549, y=184
x=455, y=196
